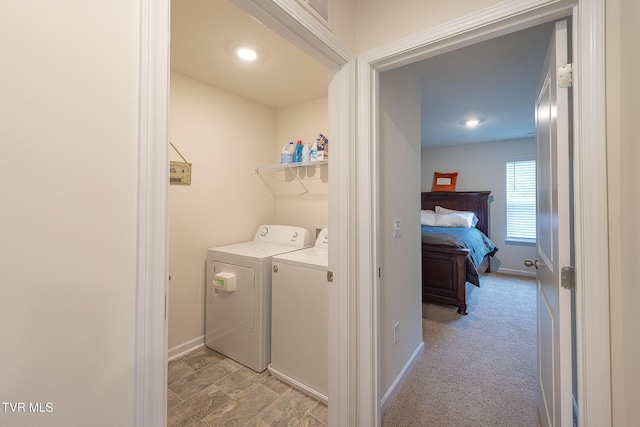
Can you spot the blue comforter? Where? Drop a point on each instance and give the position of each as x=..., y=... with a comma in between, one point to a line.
x=473, y=239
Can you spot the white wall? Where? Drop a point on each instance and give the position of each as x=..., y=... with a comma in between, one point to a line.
x=343, y=16
x=68, y=203
x=400, y=259
x=379, y=22
x=224, y=137
x=623, y=110
x=482, y=167
x=303, y=122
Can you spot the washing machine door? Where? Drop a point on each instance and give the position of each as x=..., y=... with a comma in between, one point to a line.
x=230, y=309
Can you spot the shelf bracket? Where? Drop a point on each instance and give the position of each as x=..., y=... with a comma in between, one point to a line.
x=295, y=174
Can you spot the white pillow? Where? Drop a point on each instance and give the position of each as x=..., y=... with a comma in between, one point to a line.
x=428, y=218
x=459, y=220
x=441, y=210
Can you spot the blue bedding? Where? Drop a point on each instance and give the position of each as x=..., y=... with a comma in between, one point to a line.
x=473, y=239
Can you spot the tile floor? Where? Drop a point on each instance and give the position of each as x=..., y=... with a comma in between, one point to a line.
x=207, y=389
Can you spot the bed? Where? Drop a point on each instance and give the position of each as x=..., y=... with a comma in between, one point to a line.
x=455, y=256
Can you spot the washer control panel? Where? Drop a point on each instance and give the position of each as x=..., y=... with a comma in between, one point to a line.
x=284, y=235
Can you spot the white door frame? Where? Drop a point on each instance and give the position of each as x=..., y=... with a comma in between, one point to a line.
x=285, y=18
x=150, y=382
x=591, y=222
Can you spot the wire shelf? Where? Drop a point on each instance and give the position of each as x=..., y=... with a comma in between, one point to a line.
x=295, y=179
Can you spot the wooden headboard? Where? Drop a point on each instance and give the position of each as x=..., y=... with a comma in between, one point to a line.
x=474, y=201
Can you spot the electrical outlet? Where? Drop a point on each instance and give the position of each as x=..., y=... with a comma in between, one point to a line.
x=396, y=333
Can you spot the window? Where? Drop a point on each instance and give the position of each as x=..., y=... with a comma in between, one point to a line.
x=521, y=201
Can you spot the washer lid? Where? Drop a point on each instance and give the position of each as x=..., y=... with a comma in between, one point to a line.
x=257, y=251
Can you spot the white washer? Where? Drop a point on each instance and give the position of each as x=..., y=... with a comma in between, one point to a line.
x=300, y=319
x=238, y=293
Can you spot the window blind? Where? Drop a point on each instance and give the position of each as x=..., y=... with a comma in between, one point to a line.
x=521, y=201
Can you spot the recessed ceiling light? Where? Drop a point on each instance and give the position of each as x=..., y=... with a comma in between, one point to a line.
x=472, y=123
x=247, y=54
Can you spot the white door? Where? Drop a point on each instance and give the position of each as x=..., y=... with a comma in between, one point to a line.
x=553, y=238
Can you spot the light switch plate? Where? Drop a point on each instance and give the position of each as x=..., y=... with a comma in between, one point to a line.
x=396, y=333
x=397, y=230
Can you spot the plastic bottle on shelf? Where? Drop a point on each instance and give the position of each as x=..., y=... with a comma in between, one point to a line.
x=306, y=152
x=313, y=152
x=286, y=155
x=297, y=154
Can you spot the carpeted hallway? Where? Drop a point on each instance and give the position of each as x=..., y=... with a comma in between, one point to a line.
x=476, y=370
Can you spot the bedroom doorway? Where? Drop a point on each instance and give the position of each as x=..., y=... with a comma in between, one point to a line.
x=589, y=123
x=481, y=167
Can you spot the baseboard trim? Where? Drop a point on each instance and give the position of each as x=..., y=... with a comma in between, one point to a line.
x=400, y=379
x=515, y=272
x=185, y=348
x=315, y=394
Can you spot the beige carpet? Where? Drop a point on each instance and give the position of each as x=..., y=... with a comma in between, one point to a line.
x=479, y=369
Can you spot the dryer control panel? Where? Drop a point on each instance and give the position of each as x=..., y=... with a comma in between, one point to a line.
x=322, y=242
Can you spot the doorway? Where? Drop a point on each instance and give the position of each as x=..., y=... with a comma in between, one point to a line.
x=434, y=85
x=435, y=43
x=226, y=121
x=338, y=104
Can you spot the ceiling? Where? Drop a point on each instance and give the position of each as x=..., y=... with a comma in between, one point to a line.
x=204, y=37
x=494, y=81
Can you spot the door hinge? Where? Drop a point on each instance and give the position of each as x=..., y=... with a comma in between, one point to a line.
x=568, y=278
x=565, y=75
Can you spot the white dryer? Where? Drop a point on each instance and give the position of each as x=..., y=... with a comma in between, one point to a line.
x=238, y=293
x=300, y=319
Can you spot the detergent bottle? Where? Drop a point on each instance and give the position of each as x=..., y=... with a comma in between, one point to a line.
x=313, y=152
x=297, y=154
x=306, y=151
x=286, y=155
